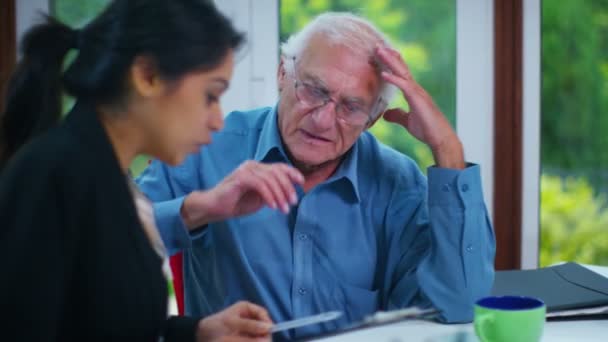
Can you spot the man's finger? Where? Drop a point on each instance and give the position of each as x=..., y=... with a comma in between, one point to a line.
x=392, y=59
x=252, y=183
x=295, y=174
x=407, y=87
x=282, y=177
x=397, y=115
x=398, y=81
x=266, y=176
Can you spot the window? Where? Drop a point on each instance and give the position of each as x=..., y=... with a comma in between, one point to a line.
x=423, y=31
x=574, y=132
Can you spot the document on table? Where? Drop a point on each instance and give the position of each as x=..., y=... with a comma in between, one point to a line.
x=568, y=290
x=380, y=318
x=600, y=310
x=301, y=322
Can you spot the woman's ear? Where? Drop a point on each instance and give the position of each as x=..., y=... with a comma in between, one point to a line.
x=145, y=77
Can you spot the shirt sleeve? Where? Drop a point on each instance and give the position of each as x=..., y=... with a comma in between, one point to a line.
x=444, y=254
x=167, y=188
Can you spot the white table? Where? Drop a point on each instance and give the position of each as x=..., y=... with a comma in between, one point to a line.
x=413, y=331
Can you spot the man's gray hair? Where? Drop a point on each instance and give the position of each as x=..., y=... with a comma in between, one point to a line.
x=347, y=29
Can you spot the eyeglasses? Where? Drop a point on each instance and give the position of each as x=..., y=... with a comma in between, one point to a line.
x=349, y=112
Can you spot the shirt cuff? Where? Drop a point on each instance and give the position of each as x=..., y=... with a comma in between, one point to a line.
x=173, y=231
x=449, y=187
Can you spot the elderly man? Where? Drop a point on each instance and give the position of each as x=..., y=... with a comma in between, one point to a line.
x=298, y=208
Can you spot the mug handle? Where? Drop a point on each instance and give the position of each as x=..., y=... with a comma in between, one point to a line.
x=485, y=323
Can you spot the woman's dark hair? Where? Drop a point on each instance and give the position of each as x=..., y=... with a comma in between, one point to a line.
x=180, y=36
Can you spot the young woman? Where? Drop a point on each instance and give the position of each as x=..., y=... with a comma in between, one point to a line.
x=81, y=257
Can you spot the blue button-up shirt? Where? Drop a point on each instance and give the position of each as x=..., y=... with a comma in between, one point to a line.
x=376, y=235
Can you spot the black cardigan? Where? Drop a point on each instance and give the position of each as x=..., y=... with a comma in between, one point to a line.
x=75, y=262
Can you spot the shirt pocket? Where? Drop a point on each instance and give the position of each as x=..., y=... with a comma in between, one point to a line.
x=357, y=302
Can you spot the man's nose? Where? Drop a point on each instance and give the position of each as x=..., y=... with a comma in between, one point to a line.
x=324, y=117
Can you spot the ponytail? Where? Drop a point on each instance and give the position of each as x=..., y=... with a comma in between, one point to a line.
x=33, y=98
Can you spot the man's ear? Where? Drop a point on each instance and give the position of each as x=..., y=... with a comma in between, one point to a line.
x=281, y=74
x=373, y=122
x=382, y=108
x=145, y=77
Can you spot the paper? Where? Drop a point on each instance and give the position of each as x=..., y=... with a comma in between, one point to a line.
x=579, y=312
x=378, y=319
x=382, y=317
x=300, y=322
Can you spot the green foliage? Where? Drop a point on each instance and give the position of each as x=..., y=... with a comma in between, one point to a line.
x=575, y=86
x=77, y=13
x=425, y=34
x=574, y=213
x=574, y=222
x=139, y=164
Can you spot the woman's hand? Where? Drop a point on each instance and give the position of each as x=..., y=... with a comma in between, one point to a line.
x=241, y=322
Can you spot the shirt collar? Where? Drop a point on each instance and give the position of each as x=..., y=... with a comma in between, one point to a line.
x=270, y=149
x=347, y=171
x=270, y=146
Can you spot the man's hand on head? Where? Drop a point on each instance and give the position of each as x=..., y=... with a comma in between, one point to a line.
x=424, y=120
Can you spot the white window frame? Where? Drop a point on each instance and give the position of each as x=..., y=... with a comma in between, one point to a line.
x=475, y=87
x=531, y=112
x=475, y=107
x=254, y=82
x=28, y=13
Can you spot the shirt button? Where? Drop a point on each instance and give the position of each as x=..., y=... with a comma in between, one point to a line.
x=464, y=187
x=469, y=248
x=302, y=291
x=303, y=237
x=445, y=188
